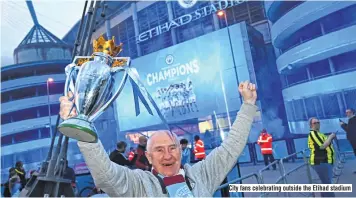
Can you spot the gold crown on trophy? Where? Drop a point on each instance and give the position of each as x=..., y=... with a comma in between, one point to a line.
x=107, y=46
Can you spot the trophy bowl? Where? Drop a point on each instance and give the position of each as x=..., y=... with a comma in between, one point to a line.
x=92, y=80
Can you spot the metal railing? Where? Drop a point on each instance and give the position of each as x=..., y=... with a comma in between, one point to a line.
x=284, y=174
x=238, y=180
x=342, y=71
x=340, y=159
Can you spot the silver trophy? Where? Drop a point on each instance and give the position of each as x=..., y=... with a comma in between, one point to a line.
x=91, y=80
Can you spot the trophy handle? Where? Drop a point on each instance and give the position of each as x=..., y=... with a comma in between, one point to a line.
x=111, y=100
x=69, y=84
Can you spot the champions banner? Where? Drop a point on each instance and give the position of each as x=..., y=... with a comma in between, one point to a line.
x=193, y=79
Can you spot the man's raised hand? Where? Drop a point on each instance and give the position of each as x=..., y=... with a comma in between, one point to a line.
x=248, y=92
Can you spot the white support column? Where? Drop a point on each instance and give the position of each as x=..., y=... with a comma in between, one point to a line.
x=215, y=19
x=331, y=65
x=108, y=29
x=310, y=77
x=135, y=21
x=170, y=18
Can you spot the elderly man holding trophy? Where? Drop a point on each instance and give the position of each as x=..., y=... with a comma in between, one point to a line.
x=91, y=96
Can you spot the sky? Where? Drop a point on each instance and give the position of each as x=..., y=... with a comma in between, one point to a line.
x=57, y=16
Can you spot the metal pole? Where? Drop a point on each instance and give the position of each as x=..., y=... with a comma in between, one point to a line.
x=89, y=15
x=77, y=43
x=91, y=28
x=49, y=110
x=53, y=161
x=47, y=183
x=232, y=51
x=61, y=158
x=45, y=164
x=233, y=59
x=64, y=156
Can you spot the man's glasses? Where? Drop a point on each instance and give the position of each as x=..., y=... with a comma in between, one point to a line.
x=316, y=123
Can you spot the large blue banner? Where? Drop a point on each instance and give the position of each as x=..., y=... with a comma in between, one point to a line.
x=193, y=79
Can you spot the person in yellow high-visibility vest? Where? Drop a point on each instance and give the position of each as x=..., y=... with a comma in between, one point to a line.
x=321, y=154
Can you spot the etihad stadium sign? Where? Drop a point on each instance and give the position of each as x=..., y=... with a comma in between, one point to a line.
x=187, y=18
x=187, y=3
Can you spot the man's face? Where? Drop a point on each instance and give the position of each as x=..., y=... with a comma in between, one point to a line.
x=184, y=146
x=349, y=113
x=315, y=124
x=143, y=141
x=20, y=165
x=164, y=154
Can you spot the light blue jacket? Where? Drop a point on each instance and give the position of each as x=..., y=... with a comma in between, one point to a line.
x=186, y=156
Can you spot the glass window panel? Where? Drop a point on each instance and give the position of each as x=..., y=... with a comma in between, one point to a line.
x=6, y=140
x=331, y=106
x=43, y=110
x=284, y=7
x=45, y=133
x=26, y=136
x=299, y=110
x=310, y=31
x=55, y=88
x=345, y=61
x=30, y=156
x=299, y=75
x=23, y=93
x=350, y=98
x=5, y=118
x=44, y=151
x=318, y=107
x=54, y=109
x=24, y=114
x=309, y=104
x=319, y=69
x=7, y=161
x=289, y=110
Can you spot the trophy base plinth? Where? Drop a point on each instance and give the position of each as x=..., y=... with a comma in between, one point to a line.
x=79, y=129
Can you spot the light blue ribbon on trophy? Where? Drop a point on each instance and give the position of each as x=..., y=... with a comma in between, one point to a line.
x=138, y=95
x=140, y=92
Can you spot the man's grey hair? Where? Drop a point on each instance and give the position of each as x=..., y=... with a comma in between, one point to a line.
x=173, y=136
x=311, y=120
x=351, y=109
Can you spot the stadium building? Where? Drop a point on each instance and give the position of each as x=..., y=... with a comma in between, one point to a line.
x=315, y=46
x=30, y=90
x=175, y=47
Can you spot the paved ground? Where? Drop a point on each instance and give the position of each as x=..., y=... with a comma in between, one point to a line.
x=300, y=177
x=348, y=177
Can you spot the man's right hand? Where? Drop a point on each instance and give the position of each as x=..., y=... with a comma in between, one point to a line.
x=332, y=135
x=65, y=107
x=248, y=92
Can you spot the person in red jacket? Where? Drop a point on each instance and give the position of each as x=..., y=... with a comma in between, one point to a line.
x=265, y=142
x=131, y=154
x=142, y=161
x=199, y=150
